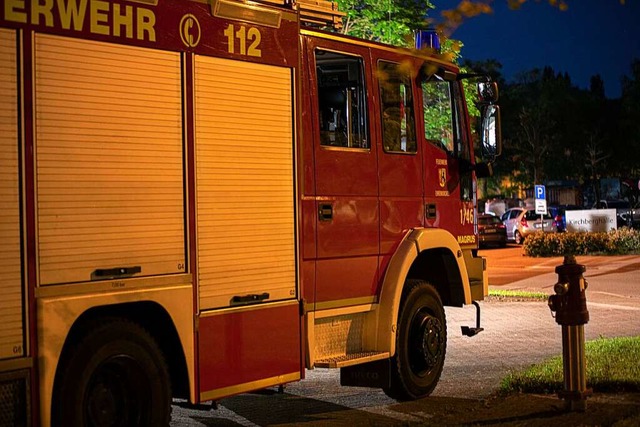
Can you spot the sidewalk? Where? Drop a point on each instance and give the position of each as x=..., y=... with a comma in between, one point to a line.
x=612, y=280
x=518, y=334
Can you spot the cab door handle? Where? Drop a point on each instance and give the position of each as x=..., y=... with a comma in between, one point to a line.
x=430, y=211
x=325, y=212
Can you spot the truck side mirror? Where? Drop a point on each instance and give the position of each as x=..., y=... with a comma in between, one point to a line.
x=491, y=138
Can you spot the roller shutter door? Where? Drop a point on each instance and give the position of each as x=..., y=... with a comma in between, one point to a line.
x=109, y=159
x=245, y=187
x=11, y=298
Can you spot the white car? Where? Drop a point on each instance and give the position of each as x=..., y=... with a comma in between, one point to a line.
x=522, y=222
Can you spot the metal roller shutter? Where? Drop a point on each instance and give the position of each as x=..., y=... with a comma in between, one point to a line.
x=109, y=156
x=11, y=326
x=245, y=186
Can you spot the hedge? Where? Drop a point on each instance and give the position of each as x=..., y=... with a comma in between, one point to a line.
x=622, y=241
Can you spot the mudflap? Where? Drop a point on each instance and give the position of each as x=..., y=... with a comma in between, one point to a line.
x=376, y=374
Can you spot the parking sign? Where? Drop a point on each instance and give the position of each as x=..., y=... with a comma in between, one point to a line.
x=541, y=199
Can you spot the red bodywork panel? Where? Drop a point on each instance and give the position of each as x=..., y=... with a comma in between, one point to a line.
x=188, y=26
x=247, y=346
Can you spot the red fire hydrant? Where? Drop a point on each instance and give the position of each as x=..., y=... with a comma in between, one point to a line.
x=570, y=306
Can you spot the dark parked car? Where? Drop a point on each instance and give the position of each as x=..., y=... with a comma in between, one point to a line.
x=625, y=214
x=558, y=212
x=491, y=231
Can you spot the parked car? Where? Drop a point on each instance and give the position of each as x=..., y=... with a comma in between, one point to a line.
x=625, y=214
x=521, y=222
x=491, y=231
x=558, y=212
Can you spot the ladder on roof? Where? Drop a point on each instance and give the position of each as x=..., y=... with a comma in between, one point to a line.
x=320, y=13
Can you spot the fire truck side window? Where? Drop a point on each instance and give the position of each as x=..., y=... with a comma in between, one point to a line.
x=463, y=147
x=396, y=100
x=342, y=100
x=438, y=113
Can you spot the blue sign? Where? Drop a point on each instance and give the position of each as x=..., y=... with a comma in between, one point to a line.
x=540, y=192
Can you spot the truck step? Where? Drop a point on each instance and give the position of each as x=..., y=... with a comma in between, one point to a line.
x=351, y=359
x=468, y=331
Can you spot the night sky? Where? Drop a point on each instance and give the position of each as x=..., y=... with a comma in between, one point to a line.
x=591, y=37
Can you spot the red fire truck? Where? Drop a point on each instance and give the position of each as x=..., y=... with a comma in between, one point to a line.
x=201, y=198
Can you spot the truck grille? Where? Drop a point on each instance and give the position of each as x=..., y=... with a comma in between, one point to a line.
x=14, y=399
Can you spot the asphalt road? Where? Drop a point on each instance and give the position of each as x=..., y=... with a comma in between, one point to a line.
x=516, y=335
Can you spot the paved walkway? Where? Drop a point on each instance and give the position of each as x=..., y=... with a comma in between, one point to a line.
x=517, y=334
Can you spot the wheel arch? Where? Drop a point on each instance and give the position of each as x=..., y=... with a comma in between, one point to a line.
x=428, y=254
x=154, y=319
x=61, y=319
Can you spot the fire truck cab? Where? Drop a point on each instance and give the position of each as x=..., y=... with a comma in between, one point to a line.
x=208, y=197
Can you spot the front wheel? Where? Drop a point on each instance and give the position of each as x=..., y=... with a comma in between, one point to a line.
x=517, y=237
x=115, y=375
x=421, y=343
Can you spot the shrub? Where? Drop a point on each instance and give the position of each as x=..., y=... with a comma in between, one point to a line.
x=624, y=240
x=615, y=242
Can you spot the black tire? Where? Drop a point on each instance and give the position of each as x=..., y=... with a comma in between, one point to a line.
x=517, y=238
x=115, y=375
x=421, y=343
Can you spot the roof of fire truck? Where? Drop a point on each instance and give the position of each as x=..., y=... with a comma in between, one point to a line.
x=318, y=15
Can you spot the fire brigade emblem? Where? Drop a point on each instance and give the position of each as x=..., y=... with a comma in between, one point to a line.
x=442, y=174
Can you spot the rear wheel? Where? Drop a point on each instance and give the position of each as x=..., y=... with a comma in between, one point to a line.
x=517, y=237
x=421, y=343
x=114, y=376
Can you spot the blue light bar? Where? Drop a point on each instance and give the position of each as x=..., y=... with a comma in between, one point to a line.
x=427, y=39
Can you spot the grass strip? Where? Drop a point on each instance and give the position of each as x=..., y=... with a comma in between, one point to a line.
x=506, y=293
x=612, y=366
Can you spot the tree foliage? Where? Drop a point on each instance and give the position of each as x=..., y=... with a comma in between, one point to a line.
x=629, y=136
x=395, y=21
x=387, y=21
x=553, y=130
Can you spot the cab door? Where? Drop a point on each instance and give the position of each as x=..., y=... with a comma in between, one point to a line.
x=399, y=154
x=448, y=180
x=346, y=177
